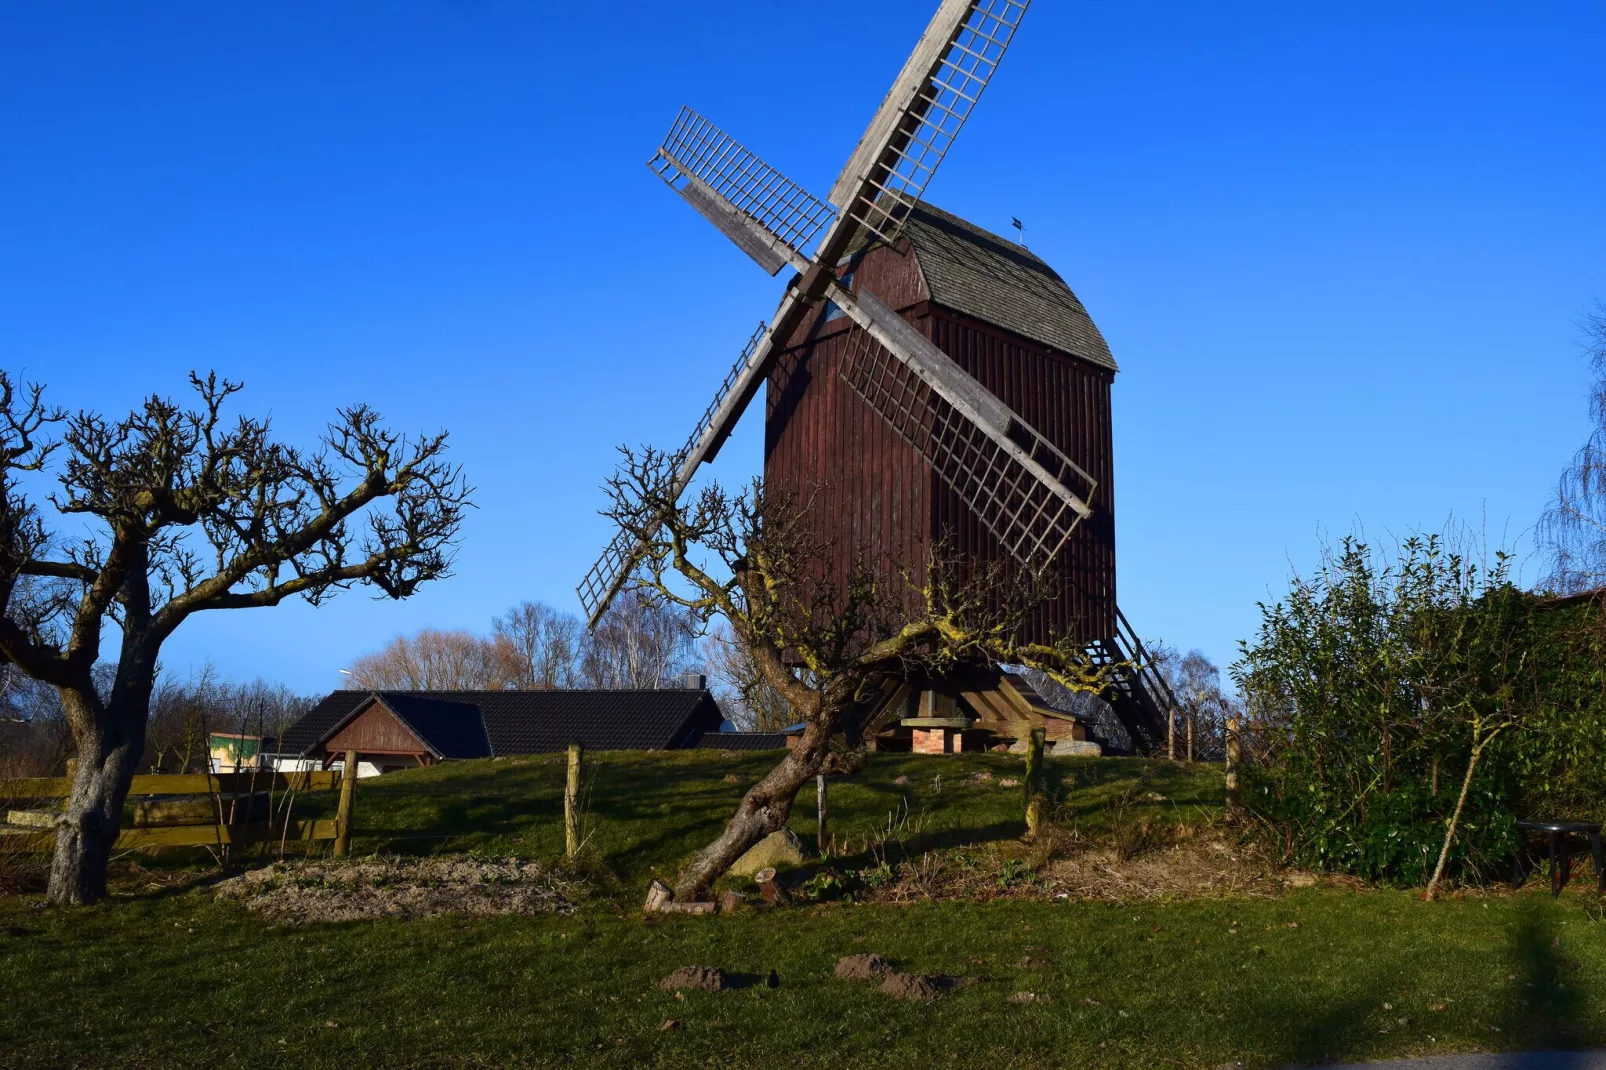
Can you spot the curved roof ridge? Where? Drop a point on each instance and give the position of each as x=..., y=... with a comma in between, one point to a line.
x=973, y=271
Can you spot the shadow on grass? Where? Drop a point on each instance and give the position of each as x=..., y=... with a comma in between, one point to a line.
x=1541, y=1010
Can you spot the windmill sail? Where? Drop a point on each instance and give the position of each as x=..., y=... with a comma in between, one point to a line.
x=619, y=559
x=769, y=216
x=1013, y=479
x=923, y=111
x=774, y=220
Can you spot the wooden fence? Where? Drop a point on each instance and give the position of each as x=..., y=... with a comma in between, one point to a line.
x=222, y=809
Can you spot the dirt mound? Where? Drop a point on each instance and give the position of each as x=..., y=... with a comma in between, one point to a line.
x=362, y=890
x=695, y=979
x=911, y=986
x=862, y=968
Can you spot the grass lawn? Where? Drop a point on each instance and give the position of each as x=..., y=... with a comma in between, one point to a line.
x=168, y=976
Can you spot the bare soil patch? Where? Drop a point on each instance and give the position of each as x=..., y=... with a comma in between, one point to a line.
x=862, y=968
x=366, y=889
x=911, y=986
x=695, y=979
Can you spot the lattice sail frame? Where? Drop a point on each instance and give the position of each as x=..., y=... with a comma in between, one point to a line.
x=1030, y=518
x=605, y=578
x=696, y=147
x=927, y=130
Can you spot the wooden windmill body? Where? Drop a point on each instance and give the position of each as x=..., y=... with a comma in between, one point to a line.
x=1011, y=323
x=935, y=382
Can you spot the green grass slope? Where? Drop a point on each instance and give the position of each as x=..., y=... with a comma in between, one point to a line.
x=166, y=975
x=645, y=812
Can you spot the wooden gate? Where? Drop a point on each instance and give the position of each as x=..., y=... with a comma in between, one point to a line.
x=195, y=810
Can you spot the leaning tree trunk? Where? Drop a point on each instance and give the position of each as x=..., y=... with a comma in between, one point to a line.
x=1455, y=815
x=110, y=743
x=763, y=810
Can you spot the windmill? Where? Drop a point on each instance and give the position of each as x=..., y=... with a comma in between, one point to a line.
x=997, y=472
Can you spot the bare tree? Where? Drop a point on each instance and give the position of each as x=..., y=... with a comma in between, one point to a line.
x=1202, y=704
x=186, y=512
x=185, y=713
x=1572, y=531
x=434, y=659
x=751, y=701
x=642, y=641
x=756, y=561
x=547, y=643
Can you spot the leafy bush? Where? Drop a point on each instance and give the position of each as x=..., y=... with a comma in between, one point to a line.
x=1387, y=697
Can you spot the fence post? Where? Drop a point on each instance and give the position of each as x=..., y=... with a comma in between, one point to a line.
x=348, y=804
x=1034, y=782
x=819, y=809
x=1234, y=753
x=571, y=803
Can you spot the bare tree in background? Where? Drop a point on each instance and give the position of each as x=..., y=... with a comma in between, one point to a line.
x=1572, y=531
x=746, y=694
x=182, y=512
x=548, y=645
x=1203, y=705
x=643, y=641
x=185, y=713
x=181, y=712
x=435, y=659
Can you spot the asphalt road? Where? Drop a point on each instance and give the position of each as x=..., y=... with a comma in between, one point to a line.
x=1520, y=1060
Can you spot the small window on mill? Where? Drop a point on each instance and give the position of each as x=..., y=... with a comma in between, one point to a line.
x=832, y=312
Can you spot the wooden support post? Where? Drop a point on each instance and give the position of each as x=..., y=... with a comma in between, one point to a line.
x=1034, y=782
x=348, y=804
x=571, y=803
x=1234, y=753
x=819, y=809
x=1171, y=733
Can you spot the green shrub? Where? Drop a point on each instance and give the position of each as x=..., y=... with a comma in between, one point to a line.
x=1373, y=684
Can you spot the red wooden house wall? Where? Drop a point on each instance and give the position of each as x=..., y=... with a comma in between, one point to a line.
x=878, y=498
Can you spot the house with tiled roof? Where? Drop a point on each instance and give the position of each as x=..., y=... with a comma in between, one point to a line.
x=404, y=729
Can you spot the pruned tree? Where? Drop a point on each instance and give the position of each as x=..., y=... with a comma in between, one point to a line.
x=438, y=659
x=185, y=512
x=832, y=645
x=1572, y=532
x=547, y=645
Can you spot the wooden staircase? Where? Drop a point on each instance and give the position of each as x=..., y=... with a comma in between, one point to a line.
x=1138, y=694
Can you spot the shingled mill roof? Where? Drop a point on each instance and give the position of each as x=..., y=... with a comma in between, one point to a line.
x=981, y=274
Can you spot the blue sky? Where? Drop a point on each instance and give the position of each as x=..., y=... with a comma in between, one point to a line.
x=1340, y=252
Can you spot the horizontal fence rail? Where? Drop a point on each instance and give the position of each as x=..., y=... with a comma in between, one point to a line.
x=181, y=784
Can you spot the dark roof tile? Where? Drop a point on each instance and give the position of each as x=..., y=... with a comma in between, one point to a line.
x=527, y=722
